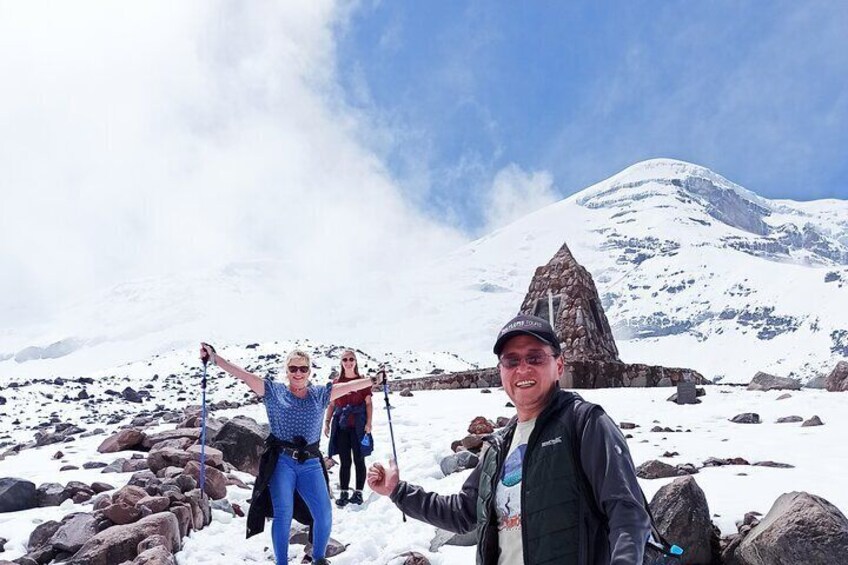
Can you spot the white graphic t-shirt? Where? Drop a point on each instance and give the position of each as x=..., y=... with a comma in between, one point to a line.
x=508, y=497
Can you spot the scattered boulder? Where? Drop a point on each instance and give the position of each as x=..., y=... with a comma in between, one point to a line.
x=458, y=462
x=444, y=537
x=73, y=532
x=789, y=420
x=683, y=518
x=121, y=513
x=472, y=443
x=334, y=547
x=191, y=434
x=412, y=558
x=159, y=459
x=746, y=418
x=42, y=533
x=158, y=555
x=817, y=383
x=655, y=469
x=774, y=464
x=129, y=438
x=764, y=381
x=130, y=395
x=154, y=504
x=800, y=528
x=481, y=426
x=129, y=495
x=837, y=380
x=216, y=481
x=51, y=494
x=814, y=421
x=406, y=393
x=241, y=441
x=17, y=494
x=214, y=456
x=120, y=543
x=101, y=487
x=784, y=396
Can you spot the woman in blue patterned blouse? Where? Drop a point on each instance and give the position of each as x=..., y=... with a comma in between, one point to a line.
x=294, y=412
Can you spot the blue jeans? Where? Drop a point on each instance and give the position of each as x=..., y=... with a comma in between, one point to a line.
x=308, y=479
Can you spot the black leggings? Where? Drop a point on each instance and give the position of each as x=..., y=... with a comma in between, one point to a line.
x=347, y=442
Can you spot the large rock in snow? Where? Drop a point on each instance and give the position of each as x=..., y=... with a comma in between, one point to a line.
x=241, y=441
x=17, y=494
x=129, y=438
x=683, y=518
x=799, y=528
x=74, y=532
x=764, y=381
x=120, y=543
x=837, y=380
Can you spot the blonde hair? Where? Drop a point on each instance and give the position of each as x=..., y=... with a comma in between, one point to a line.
x=299, y=354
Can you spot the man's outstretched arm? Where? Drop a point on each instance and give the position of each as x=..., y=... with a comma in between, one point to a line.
x=456, y=512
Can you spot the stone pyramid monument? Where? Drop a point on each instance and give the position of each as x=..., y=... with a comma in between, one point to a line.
x=564, y=292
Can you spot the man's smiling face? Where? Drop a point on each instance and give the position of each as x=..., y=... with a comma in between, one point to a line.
x=529, y=372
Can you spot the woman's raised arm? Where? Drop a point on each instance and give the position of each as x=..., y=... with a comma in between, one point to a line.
x=341, y=389
x=256, y=383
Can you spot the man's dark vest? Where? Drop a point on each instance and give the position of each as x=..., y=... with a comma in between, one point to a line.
x=552, y=507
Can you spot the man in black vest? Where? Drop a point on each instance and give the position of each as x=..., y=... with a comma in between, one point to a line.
x=556, y=485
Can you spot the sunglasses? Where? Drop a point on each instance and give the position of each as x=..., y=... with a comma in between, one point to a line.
x=533, y=359
x=347, y=359
x=296, y=368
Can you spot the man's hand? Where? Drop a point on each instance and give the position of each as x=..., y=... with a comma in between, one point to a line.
x=368, y=428
x=381, y=480
x=327, y=429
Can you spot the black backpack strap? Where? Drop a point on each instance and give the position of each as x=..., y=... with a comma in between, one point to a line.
x=581, y=412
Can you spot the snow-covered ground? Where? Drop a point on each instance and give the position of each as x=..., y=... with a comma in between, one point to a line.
x=427, y=423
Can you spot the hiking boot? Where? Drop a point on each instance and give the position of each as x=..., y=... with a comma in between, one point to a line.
x=323, y=562
x=356, y=498
x=343, y=500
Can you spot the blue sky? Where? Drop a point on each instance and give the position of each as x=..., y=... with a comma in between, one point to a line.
x=454, y=92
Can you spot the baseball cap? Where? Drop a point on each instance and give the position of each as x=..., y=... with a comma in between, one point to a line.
x=528, y=325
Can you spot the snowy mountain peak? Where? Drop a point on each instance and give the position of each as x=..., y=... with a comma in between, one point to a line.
x=671, y=184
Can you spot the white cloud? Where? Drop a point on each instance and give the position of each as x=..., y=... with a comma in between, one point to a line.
x=515, y=193
x=158, y=137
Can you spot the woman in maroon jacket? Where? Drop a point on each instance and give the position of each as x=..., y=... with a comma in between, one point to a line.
x=347, y=422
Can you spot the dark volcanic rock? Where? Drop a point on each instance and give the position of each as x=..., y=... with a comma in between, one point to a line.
x=458, y=462
x=131, y=395
x=51, y=494
x=120, y=543
x=41, y=534
x=480, y=425
x=17, y=494
x=764, y=381
x=75, y=530
x=814, y=421
x=837, y=380
x=241, y=441
x=683, y=518
x=799, y=528
x=654, y=469
x=129, y=438
x=746, y=418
